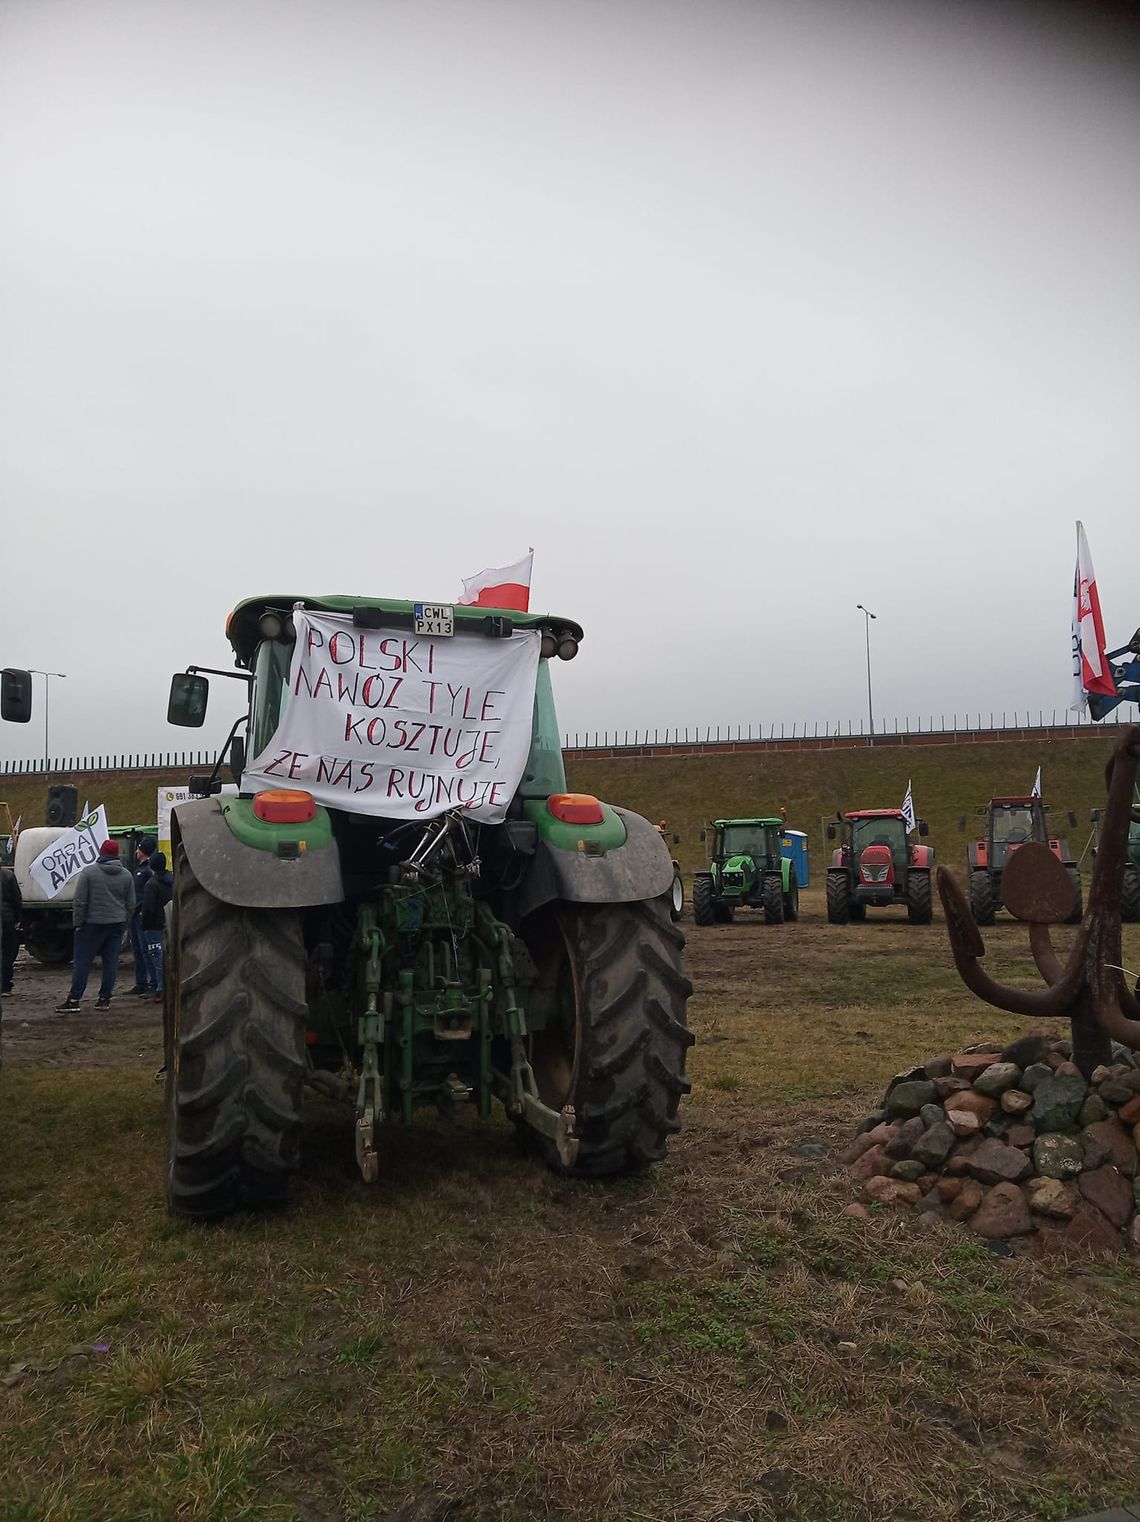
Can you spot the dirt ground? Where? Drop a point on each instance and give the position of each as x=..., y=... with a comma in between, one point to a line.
x=126, y=1035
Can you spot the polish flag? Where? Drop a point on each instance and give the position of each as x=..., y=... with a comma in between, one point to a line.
x=1091, y=671
x=505, y=586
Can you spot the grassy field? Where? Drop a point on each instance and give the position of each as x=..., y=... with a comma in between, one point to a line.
x=949, y=781
x=475, y=1338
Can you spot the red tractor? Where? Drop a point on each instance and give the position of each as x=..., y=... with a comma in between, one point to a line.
x=1010, y=822
x=877, y=865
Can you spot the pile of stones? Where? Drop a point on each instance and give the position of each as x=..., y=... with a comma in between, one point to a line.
x=1011, y=1141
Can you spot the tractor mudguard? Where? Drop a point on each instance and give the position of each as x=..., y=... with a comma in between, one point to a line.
x=240, y=874
x=640, y=869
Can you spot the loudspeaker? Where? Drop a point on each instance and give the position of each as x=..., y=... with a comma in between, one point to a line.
x=62, y=804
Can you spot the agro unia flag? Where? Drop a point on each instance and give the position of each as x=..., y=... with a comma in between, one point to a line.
x=1091, y=671
x=70, y=852
x=404, y=726
x=908, y=808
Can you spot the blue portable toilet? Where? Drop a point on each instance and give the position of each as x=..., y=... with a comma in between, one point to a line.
x=794, y=845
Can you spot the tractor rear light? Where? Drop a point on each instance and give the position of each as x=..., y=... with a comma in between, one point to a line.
x=567, y=648
x=285, y=806
x=575, y=808
x=270, y=626
x=549, y=646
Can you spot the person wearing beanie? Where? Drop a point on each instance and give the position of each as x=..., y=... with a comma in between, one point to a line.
x=157, y=894
x=101, y=910
x=144, y=972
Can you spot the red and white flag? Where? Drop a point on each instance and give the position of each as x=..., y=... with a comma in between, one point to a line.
x=1091, y=671
x=505, y=586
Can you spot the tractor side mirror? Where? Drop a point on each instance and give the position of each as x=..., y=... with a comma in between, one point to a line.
x=1073, y=818
x=237, y=757
x=831, y=832
x=203, y=786
x=702, y=836
x=1094, y=816
x=923, y=827
x=188, y=697
x=15, y=695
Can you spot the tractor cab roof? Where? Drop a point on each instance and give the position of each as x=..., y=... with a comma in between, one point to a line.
x=720, y=824
x=244, y=633
x=875, y=814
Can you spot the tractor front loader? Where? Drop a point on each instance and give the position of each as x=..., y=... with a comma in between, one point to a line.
x=402, y=962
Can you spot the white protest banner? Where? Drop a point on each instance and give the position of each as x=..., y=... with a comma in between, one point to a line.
x=380, y=721
x=167, y=798
x=66, y=857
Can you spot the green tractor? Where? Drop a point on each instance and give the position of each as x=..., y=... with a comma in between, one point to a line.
x=750, y=868
x=408, y=959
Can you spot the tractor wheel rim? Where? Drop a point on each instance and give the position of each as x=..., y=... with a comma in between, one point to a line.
x=678, y=895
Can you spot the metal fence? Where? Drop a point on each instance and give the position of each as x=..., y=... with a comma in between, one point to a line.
x=1008, y=725
x=151, y=761
x=946, y=729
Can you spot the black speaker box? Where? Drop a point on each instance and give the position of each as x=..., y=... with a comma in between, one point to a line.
x=62, y=804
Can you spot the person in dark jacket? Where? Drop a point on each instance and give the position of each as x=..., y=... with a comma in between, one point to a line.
x=157, y=894
x=144, y=973
x=101, y=910
x=12, y=904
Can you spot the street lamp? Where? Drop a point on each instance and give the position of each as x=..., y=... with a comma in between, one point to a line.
x=867, y=617
x=46, y=676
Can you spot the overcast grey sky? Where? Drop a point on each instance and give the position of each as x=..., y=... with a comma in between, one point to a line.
x=739, y=313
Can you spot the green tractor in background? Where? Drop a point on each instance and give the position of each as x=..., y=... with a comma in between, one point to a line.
x=397, y=963
x=751, y=867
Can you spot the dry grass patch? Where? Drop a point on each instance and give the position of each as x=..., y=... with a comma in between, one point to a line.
x=477, y=1338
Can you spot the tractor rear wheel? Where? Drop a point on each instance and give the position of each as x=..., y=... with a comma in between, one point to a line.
x=792, y=897
x=235, y=1051
x=676, y=895
x=1078, y=901
x=982, y=897
x=613, y=995
x=919, y=903
x=704, y=911
x=772, y=899
x=838, y=899
x=1130, y=895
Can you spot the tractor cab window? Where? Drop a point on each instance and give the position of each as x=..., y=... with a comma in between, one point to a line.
x=1015, y=825
x=746, y=840
x=270, y=691
x=881, y=832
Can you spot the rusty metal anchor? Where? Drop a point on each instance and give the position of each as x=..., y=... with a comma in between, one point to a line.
x=1089, y=989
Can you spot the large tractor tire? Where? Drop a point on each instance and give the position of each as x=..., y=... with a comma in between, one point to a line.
x=792, y=897
x=772, y=899
x=611, y=988
x=919, y=900
x=50, y=948
x=704, y=909
x=1130, y=894
x=982, y=897
x=838, y=899
x=677, y=895
x=1078, y=900
x=234, y=1020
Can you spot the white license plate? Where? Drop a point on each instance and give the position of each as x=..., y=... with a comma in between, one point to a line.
x=434, y=618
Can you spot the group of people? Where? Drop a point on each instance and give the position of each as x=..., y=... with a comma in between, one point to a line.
x=108, y=899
